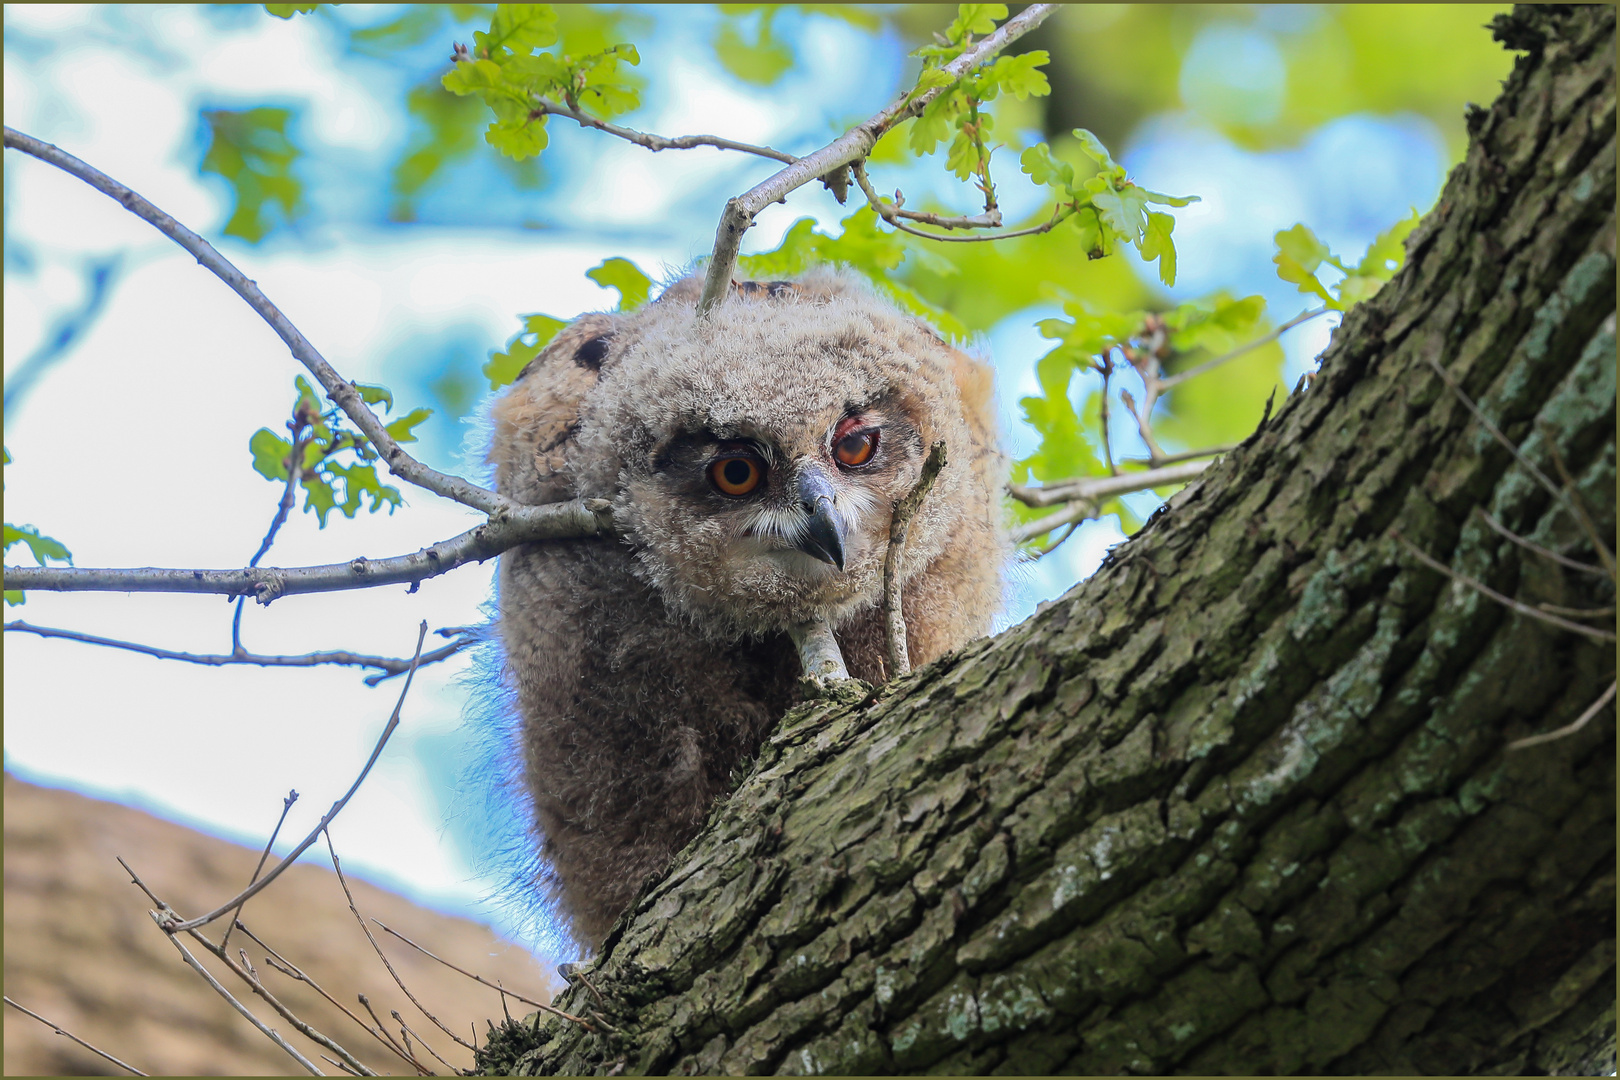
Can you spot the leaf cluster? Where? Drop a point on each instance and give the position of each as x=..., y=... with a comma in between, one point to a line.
x=252, y=151
x=1301, y=257
x=509, y=69
x=40, y=547
x=331, y=456
x=633, y=286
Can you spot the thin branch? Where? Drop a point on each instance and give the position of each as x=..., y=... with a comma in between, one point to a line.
x=1073, y=514
x=1189, y=455
x=245, y=971
x=576, y=518
x=1579, y=613
x=552, y=1009
x=295, y=472
x=343, y=881
x=1576, y=504
x=1096, y=489
x=69, y=1035
x=286, y=807
x=293, y=971
x=339, y=390
x=1505, y=601
x=389, y=666
x=1568, y=729
x=894, y=620
x=1530, y=545
x=402, y=1051
x=337, y=807
x=1560, y=494
x=853, y=146
x=219, y=988
x=1209, y=365
x=892, y=213
x=546, y=107
x=425, y=1045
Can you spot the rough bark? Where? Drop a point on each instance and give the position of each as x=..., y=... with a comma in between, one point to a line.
x=1240, y=802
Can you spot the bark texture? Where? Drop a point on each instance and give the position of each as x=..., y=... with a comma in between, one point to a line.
x=1240, y=802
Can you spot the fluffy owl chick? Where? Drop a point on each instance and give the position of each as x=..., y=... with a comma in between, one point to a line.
x=753, y=459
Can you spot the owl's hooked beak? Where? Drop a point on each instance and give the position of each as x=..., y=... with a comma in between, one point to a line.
x=823, y=536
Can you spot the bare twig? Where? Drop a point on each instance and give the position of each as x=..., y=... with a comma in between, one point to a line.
x=854, y=145
x=1576, y=505
x=69, y=1035
x=894, y=620
x=1190, y=455
x=389, y=666
x=246, y=973
x=1568, y=729
x=892, y=213
x=339, y=390
x=412, y=1031
x=1560, y=494
x=575, y=518
x=1505, y=601
x=1579, y=613
x=293, y=971
x=295, y=471
x=1098, y=488
x=219, y=988
x=402, y=1051
x=1530, y=545
x=481, y=980
x=286, y=806
x=546, y=107
x=337, y=807
x=1209, y=365
x=1073, y=514
x=338, y=867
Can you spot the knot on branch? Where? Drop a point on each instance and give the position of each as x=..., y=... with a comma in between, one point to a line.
x=271, y=587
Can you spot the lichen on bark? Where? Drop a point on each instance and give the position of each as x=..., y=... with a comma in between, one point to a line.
x=1240, y=802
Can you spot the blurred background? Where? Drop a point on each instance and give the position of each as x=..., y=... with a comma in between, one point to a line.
x=320, y=154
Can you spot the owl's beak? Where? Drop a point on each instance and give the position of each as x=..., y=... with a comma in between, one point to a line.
x=823, y=537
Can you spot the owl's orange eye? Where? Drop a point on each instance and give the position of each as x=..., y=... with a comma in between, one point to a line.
x=736, y=475
x=856, y=448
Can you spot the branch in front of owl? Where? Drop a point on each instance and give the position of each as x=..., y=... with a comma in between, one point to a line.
x=574, y=519
x=849, y=148
x=894, y=621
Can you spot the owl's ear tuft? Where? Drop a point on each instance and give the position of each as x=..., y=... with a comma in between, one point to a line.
x=590, y=354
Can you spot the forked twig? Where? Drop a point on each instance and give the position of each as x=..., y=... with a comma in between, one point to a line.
x=219, y=988
x=286, y=806
x=69, y=1035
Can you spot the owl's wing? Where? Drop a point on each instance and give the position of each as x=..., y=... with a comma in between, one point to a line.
x=535, y=421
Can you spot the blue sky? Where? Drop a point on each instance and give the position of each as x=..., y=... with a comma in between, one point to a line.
x=132, y=448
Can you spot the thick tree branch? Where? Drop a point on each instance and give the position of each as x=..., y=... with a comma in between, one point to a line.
x=853, y=146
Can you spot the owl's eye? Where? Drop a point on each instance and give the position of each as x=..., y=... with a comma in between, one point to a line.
x=736, y=475
x=856, y=448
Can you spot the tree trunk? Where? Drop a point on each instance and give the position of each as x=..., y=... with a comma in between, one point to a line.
x=1241, y=801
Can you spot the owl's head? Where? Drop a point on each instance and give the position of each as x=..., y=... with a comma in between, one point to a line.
x=754, y=456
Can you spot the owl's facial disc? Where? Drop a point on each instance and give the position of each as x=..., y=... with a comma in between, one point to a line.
x=824, y=534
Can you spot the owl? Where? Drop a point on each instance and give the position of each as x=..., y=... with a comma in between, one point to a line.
x=753, y=458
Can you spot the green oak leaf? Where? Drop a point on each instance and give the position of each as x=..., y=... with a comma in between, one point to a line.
x=624, y=276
